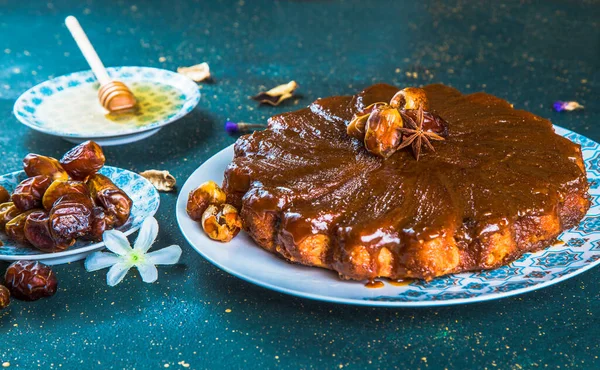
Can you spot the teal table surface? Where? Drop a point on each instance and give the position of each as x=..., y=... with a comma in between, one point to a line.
x=528, y=52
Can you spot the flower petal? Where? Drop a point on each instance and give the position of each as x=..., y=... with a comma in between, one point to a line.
x=116, y=242
x=166, y=256
x=148, y=271
x=117, y=273
x=100, y=260
x=147, y=235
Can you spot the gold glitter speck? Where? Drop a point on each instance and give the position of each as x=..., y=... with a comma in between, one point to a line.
x=6, y=364
x=228, y=310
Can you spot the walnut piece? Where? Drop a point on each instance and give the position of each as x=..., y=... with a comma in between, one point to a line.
x=162, y=180
x=199, y=72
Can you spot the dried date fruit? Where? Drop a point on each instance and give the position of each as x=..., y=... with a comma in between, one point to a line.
x=115, y=201
x=4, y=195
x=99, y=224
x=382, y=131
x=30, y=280
x=4, y=297
x=15, y=228
x=356, y=127
x=37, y=232
x=8, y=211
x=60, y=188
x=35, y=165
x=84, y=160
x=28, y=194
x=221, y=222
x=199, y=199
x=69, y=219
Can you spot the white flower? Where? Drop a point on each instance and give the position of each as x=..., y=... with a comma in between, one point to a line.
x=124, y=257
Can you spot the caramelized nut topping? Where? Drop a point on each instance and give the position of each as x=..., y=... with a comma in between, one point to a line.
x=206, y=194
x=381, y=125
x=410, y=98
x=221, y=222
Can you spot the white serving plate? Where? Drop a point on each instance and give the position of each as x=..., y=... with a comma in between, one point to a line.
x=243, y=258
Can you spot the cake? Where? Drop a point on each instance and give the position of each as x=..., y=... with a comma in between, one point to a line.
x=501, y=184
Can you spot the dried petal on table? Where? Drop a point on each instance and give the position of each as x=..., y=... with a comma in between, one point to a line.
x=277, y=94
x=162, y=180
x=199, y=72
x=568, y=106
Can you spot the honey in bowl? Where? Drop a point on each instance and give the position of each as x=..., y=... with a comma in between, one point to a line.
x=77, y=109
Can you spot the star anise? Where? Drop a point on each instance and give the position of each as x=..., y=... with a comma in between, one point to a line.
x=414, y=135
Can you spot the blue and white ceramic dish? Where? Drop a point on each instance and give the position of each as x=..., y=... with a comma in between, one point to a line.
x=68, y=106
x=145, y=204
x=579, y=252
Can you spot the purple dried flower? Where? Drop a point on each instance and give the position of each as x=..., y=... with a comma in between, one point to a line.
x=233, y=128
x=560, y=106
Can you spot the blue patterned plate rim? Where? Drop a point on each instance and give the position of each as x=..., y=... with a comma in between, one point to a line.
x=146, y=201
x=115, y=72
x=419, y=293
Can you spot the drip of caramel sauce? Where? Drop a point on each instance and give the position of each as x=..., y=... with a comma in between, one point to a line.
x=401, y=282
x=375, y=284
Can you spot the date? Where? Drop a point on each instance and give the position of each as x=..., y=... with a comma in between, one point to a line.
x=83, y=160
x=30, y=280
x=37, y=232
x=115, y=202
x=28, y=194
x=36, y=165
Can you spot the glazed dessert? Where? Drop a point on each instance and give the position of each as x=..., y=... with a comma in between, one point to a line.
x=320, y=189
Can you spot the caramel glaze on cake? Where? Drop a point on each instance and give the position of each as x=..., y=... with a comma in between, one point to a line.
x=501, y=184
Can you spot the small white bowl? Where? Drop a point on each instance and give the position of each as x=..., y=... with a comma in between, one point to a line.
x=68, y=106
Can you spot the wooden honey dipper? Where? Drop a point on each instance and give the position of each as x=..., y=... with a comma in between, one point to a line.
x=114, y=95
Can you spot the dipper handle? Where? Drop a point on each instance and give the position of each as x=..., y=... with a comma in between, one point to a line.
x=87, y=50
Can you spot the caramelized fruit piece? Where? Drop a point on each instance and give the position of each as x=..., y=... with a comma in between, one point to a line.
x=221, y=222
x=70, y=218
x=382, y=131
x=15, y=228
x=37, y=232
x=8, y=211
x=98, y=224
x=206, y=194
x=4, y=195
x=410, y=98
x=35, y=165
x=357, y=126
x=30, y=281
x=84, y=160
x=60, y=188
x=115, y=202
x=28, y=194
x=4, y=297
